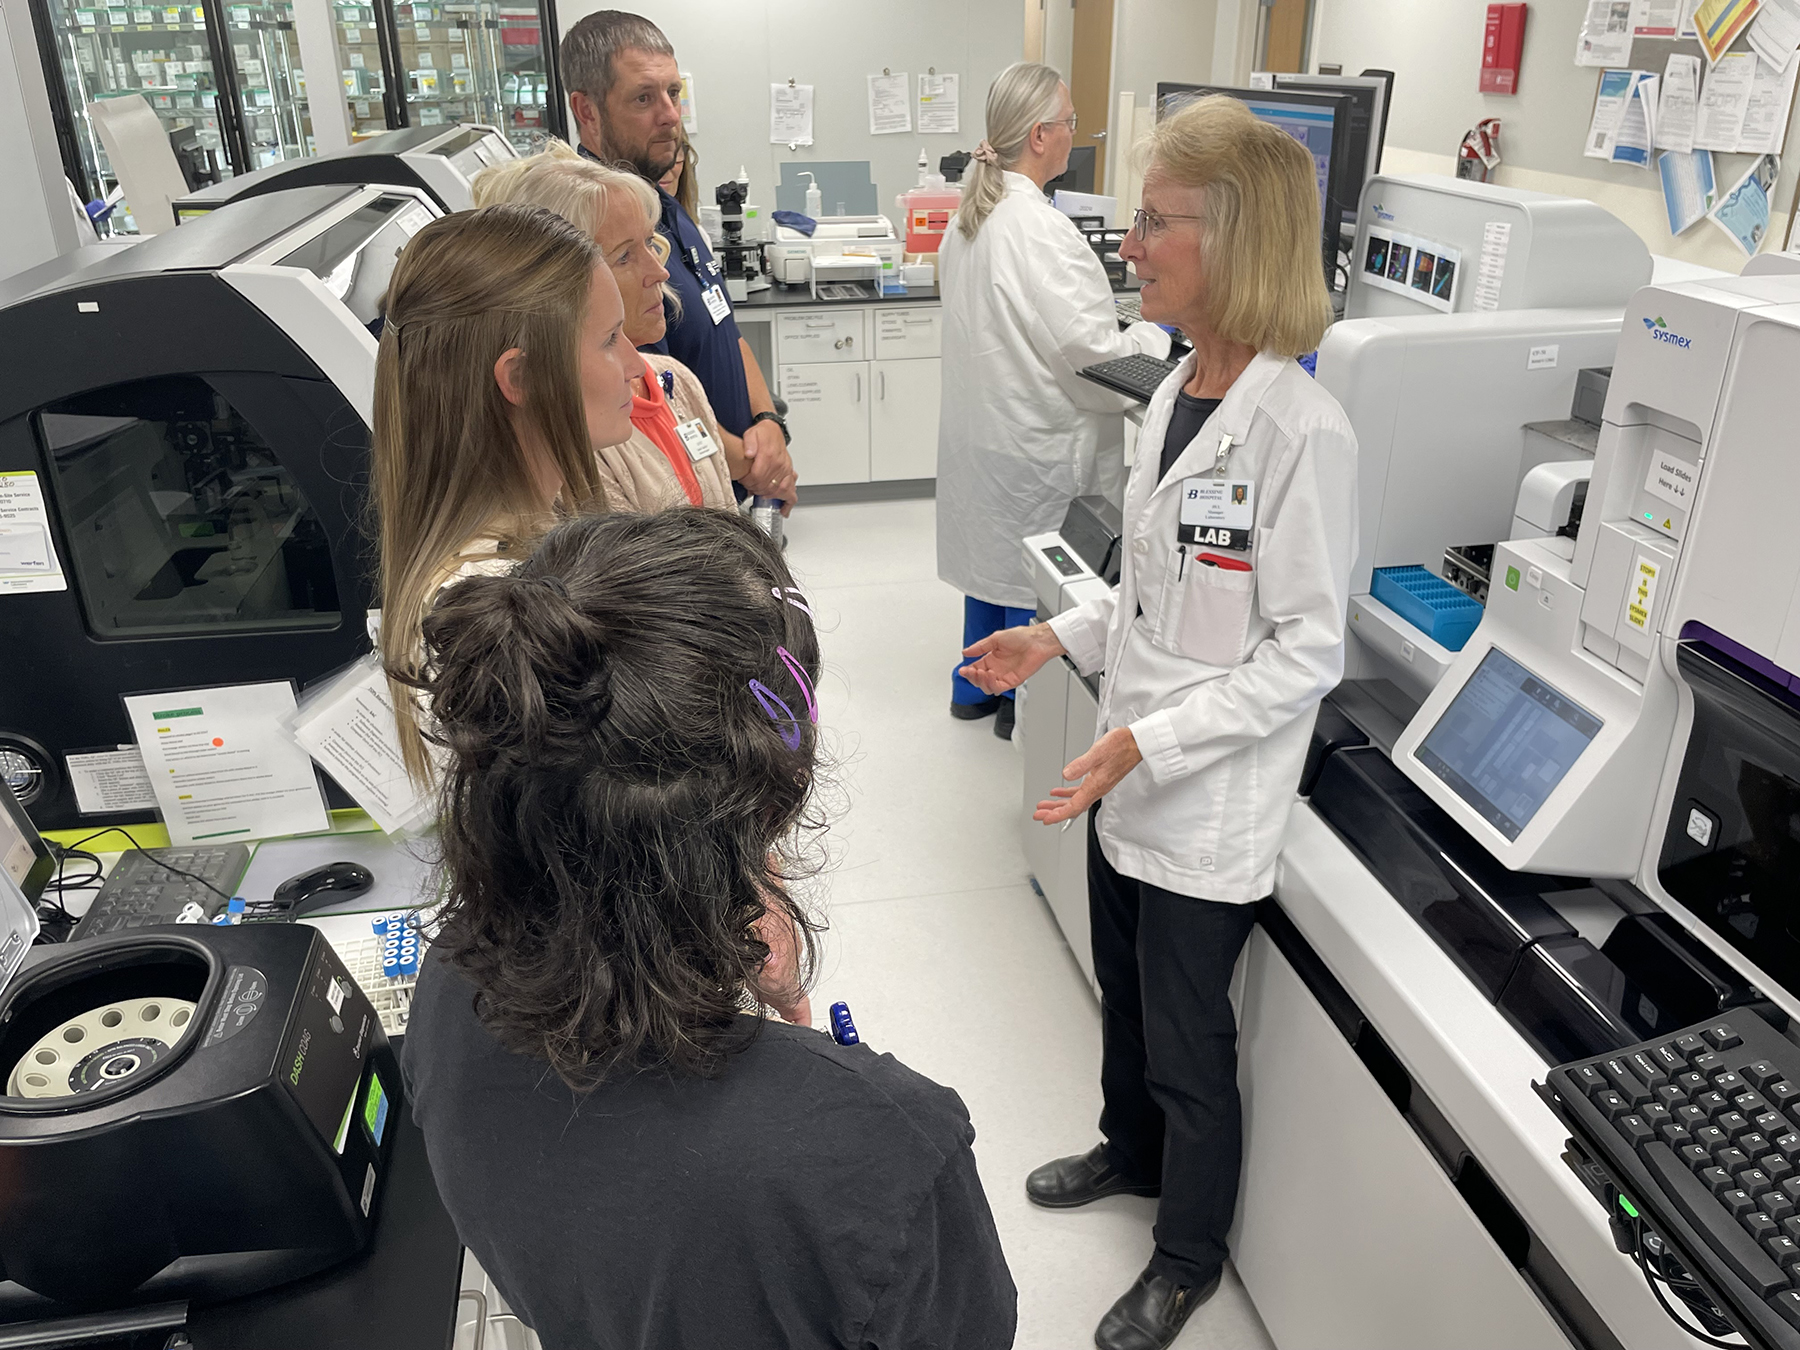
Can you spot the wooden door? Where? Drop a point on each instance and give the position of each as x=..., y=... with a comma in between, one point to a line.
x=1090, y=78
x=1285, y=25
x=1034, y=30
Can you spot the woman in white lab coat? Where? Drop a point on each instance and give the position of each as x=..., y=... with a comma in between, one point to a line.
x=1226, y=630
x=1026, y=306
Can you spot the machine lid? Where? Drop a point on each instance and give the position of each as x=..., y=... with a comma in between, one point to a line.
x=213, y=241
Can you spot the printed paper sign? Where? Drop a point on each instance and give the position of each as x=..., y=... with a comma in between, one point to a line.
x=27, y=557
x=1671, y=479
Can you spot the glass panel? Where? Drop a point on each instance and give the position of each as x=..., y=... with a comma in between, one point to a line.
x=359, y=60
x=450, y=61
x=524, y=86
x=271, y=84
x=109, y=50
x=356, y=256
x=179, y=516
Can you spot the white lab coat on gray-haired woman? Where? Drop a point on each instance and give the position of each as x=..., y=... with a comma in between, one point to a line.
x=1026, y=306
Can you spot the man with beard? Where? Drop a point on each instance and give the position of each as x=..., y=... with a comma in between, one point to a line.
x=625, y=93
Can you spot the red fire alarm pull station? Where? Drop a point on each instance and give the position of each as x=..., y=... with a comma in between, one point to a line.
x=1501, y=47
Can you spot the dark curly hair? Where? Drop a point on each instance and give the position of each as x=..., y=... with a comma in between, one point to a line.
x=620, y=805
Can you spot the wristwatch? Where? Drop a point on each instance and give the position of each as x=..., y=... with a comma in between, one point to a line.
x=787, y=437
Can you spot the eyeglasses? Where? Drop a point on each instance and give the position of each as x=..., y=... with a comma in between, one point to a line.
x=1146, y=223
x=1068, y=122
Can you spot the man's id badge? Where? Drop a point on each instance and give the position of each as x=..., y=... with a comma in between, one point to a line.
x=1217, y=512
x=715, y=303
x=699, y=442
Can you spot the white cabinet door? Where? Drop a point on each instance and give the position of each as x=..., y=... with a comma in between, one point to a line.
x=905, y=333
x=828, y=417
x=903, y=419
x=820, y=335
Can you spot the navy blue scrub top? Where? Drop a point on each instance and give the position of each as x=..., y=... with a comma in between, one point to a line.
x=708, y=349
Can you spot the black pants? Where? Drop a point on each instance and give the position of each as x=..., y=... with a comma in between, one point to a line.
x=1169, y=1056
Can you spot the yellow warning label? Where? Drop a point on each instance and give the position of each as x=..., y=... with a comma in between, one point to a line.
x=1640, y=595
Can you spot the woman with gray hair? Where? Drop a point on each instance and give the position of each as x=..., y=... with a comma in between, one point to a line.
x=1026, y=306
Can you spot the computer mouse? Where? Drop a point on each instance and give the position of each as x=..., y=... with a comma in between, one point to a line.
x=323, y=886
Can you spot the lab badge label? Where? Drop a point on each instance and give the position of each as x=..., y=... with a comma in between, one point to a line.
x=1217, y=512
x=715, y=303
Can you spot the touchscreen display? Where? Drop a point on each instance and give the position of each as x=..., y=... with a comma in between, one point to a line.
x=1506, y=741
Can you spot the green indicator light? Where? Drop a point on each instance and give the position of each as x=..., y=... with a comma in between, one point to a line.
x=1512, y=578
x=1628, y=1207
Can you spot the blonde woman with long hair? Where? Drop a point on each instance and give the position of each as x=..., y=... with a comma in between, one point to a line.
x=676, y=454
x=1217, y=647
x=502, y=366
x=1026, y=306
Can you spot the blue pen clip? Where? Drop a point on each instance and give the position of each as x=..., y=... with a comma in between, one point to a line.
x=843, y=1030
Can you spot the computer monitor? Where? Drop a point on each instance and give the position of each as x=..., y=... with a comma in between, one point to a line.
x=1368, y=125
x=1078, y=177
x=1320, y=122
x=24, y=857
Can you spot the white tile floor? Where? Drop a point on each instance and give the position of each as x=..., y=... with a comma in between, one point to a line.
x=938, y=942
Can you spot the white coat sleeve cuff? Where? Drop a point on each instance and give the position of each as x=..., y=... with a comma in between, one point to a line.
x=1157, y=743
x=1150, y=339
x=1083, y=636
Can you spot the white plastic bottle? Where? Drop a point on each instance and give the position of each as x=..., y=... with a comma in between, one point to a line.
x=815, y=200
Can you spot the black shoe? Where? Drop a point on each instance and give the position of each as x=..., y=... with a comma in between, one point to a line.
x=974, y=712
x=1080, y=1180
x=1151, y=1314
x=1003, y=724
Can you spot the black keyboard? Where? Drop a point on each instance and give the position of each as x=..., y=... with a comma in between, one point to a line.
x=139, y=893
x=1699, y=1133
x=1130, y=309
x=1136, y=376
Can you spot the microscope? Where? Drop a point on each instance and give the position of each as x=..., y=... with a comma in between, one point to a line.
x=743, y=260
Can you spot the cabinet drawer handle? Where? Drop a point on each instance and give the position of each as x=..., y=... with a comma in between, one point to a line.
x=915, y=322
x=820, y=323
x=859, y=386
x=881, y=389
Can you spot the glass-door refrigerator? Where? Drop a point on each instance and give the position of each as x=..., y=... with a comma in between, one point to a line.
x=225, y=81
x=409, y=63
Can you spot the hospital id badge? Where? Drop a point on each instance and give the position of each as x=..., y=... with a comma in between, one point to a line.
x=715, y=303
x=1217, y=512
x=698, y=440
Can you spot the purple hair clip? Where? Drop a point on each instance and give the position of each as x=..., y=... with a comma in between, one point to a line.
x=793, y=597
x=790, y=733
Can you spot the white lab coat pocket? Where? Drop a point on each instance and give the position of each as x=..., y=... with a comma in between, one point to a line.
x=1215, y=613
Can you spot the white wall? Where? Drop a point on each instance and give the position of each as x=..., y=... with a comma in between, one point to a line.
x=1161, y=40
x=1434, y=49
x=36, y=221
x=736, y=50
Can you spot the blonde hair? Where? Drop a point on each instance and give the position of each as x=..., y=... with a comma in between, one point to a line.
x=1023, y=97
x=578, y=189
x=447, y=468
x=1261, y=222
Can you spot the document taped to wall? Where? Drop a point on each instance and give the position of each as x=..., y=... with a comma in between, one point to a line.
x=1420, y=269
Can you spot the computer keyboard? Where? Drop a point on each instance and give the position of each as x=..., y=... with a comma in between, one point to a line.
x=1138, y=376
x=375, y=963
x=1699, y=1134
x=1130, y=308
x=139, y=892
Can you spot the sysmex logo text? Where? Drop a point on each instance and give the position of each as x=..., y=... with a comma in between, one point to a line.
x=1661, y=332
x=1382, y=213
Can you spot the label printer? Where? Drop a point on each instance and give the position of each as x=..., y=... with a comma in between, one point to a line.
x=184, y=436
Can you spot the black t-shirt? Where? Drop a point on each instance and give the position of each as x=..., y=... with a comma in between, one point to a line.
x=1185, y=421
x=810, y=1196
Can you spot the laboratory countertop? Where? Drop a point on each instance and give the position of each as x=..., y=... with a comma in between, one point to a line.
x=781, y=296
